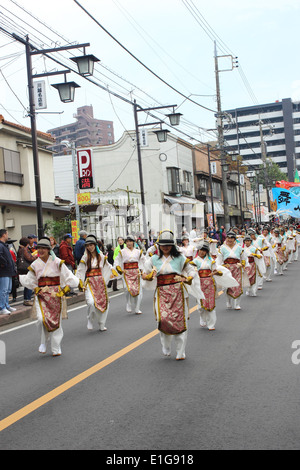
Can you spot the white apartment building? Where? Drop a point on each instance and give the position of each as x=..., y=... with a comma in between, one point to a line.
x=167, y=175
x=279, y=123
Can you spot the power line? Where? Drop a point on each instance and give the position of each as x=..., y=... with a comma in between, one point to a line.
x=139, y=61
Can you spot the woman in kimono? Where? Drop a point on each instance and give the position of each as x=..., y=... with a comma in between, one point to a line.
x=51, y=280
x=208, y=274
x=129, y=263
x=255, y=265
x=188, y=250
x=94, y=271
x=168, y=273
x=264, y=244
x=232, y=256
x=279, y=249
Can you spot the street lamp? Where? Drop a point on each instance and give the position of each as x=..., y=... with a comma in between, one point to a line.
x=85, y=64
x=161, y=135
x=66, y=91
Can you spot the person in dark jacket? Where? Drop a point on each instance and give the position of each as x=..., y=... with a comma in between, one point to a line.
x=80, y=246
x=7, y=271
x=110, y=259
x=24, y=254
x=66, y=254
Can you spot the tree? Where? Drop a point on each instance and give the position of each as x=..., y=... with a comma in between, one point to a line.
x=58, y=228
x=272, y=173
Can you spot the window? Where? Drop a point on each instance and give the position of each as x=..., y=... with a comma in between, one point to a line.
x=231, y=195
x=173, y=180
x=11, y=167
x=202, y=186
x=216, y=188
x=187, y=182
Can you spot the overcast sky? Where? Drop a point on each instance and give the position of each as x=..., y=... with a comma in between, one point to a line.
x=173, y=38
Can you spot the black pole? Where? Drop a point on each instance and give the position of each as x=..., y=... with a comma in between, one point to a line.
x=34, y=143
x=145, y=227
x=211, y=186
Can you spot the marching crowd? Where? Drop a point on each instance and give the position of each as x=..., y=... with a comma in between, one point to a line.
x=199, y=265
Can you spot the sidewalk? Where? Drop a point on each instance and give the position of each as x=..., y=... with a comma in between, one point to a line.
x=23, y=313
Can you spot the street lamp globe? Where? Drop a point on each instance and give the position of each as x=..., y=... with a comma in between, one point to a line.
x=66, y=91
x=85, y=64
x=174, y=118
x=162, y=135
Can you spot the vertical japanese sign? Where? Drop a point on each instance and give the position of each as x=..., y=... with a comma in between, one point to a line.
x=85, y=168
x=39, y=91
x=75, y=231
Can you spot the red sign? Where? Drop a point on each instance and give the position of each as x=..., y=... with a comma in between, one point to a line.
x=85, y=169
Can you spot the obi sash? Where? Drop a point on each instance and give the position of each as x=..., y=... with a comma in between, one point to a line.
x=50, y=304
x=166, y=279
x=190, y=258
x=171, y=305
x=98, y=289
x=131, y=265
x=251, y=259
x=132, y=278
x=204, y=272
x=94, y=272
x=48, y=281
x=231, y=261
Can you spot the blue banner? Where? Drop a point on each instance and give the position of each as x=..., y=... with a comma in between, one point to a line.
x=287, y=203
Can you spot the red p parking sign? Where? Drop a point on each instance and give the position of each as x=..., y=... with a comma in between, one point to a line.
x=85, y=168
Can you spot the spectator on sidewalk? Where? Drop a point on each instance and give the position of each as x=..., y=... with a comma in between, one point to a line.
x=110, y=259
x=66, y=254
x=80, y=246
x=24, y=260
x=7, y=271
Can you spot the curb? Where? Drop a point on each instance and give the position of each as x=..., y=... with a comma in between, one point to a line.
x=24, y=313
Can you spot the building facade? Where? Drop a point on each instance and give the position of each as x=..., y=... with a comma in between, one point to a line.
x=208, y=188
x=85, y=131
x=167, y=170
x=271, y=129
x=17, y=183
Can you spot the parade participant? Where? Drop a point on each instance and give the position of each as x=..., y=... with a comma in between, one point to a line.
x=290, y=245
x=189, y=251
x=254, y=266
x=168, y=273
x=285, y=253
x=232, y=256
x=208, y=274
x=295, y=244
x=297, y=232
x=213, y=243
x=95, y=271
x=279, y=248
x=264, y=244
x=129, y=262
x=51, y=280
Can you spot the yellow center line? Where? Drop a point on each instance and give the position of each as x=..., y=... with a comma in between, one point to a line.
x=26, y=410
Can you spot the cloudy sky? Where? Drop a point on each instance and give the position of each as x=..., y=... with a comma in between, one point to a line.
x=173, y=38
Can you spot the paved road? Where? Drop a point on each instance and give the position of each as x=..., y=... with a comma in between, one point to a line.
x=237, y=389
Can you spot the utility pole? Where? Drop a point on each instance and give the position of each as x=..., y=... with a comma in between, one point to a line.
x=264, y=160
x=221, y=143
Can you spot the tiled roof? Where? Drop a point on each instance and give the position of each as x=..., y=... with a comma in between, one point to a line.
x=26, y=129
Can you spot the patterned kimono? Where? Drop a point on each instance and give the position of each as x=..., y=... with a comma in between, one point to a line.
x=189, y=251
x=129, y=263
x=265, y=245
x=50, y=281
x=235, y=259
x=96, y=295
x=208, y=286
x=255, y=266
x=171, y=299
x=279, y=248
